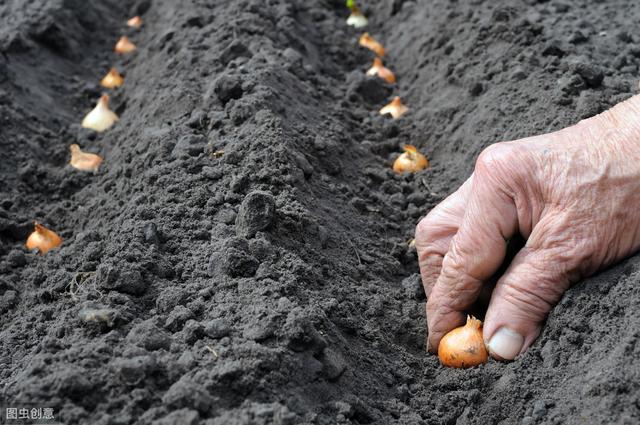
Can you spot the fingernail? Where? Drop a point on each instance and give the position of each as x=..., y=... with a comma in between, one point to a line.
x=506, y=344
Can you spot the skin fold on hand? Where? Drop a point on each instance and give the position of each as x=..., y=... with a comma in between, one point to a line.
x=573, y=195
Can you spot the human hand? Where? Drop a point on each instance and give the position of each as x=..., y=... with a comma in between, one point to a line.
x=574, y=195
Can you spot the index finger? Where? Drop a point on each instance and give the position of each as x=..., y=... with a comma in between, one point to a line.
x=476, y=251
x=435, y=231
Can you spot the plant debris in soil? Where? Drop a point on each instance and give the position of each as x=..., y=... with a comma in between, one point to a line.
x=242, y=254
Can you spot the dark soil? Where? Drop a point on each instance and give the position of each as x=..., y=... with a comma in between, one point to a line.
x=274, y=283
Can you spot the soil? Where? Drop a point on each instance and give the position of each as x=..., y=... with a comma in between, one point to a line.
x=242, y=256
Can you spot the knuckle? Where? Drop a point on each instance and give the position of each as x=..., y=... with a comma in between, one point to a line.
x=534, y=299
x=455, y=263
x=428, y=224
x=498, y=158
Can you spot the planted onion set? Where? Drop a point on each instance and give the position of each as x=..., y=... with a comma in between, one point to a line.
x=84, y=161
x=124, y=46
x=357, y=19
x=42, y=239
x=101, y=118
x=395, y=108
x=462, y=347
x=411, y=160
x=135, y=22
x=112, y=80
x=381, y=71
x=370, y=43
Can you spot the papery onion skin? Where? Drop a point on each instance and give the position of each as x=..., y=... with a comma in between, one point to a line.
x=410, y=161
x=463, y=347
x=43, y=239
x=112, y=80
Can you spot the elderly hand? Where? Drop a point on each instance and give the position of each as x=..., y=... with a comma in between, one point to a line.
x=574, y=195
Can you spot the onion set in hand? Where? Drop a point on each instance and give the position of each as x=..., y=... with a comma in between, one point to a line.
x=381, y=71
x=43, y=239
x=463, y=347
x=101, y=117
x=410, y=161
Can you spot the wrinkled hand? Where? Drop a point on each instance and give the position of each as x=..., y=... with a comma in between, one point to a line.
x=574, y=195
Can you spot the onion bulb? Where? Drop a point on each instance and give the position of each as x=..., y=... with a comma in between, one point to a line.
x=84, y=161
x=112, y=80
x=381, y=71
x=101, y=117
x=135, y=22
x=463, y=346
x=124, y=45
x=43, y=239
x=395, y=108
x=367, y=41
x=410, y=161
x=357, y=19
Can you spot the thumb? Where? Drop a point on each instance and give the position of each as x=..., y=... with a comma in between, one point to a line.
x=521, y=301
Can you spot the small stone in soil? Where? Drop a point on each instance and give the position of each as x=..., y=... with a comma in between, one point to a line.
x=256, y=213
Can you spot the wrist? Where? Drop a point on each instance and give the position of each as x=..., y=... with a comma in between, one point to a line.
x=621, y=125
